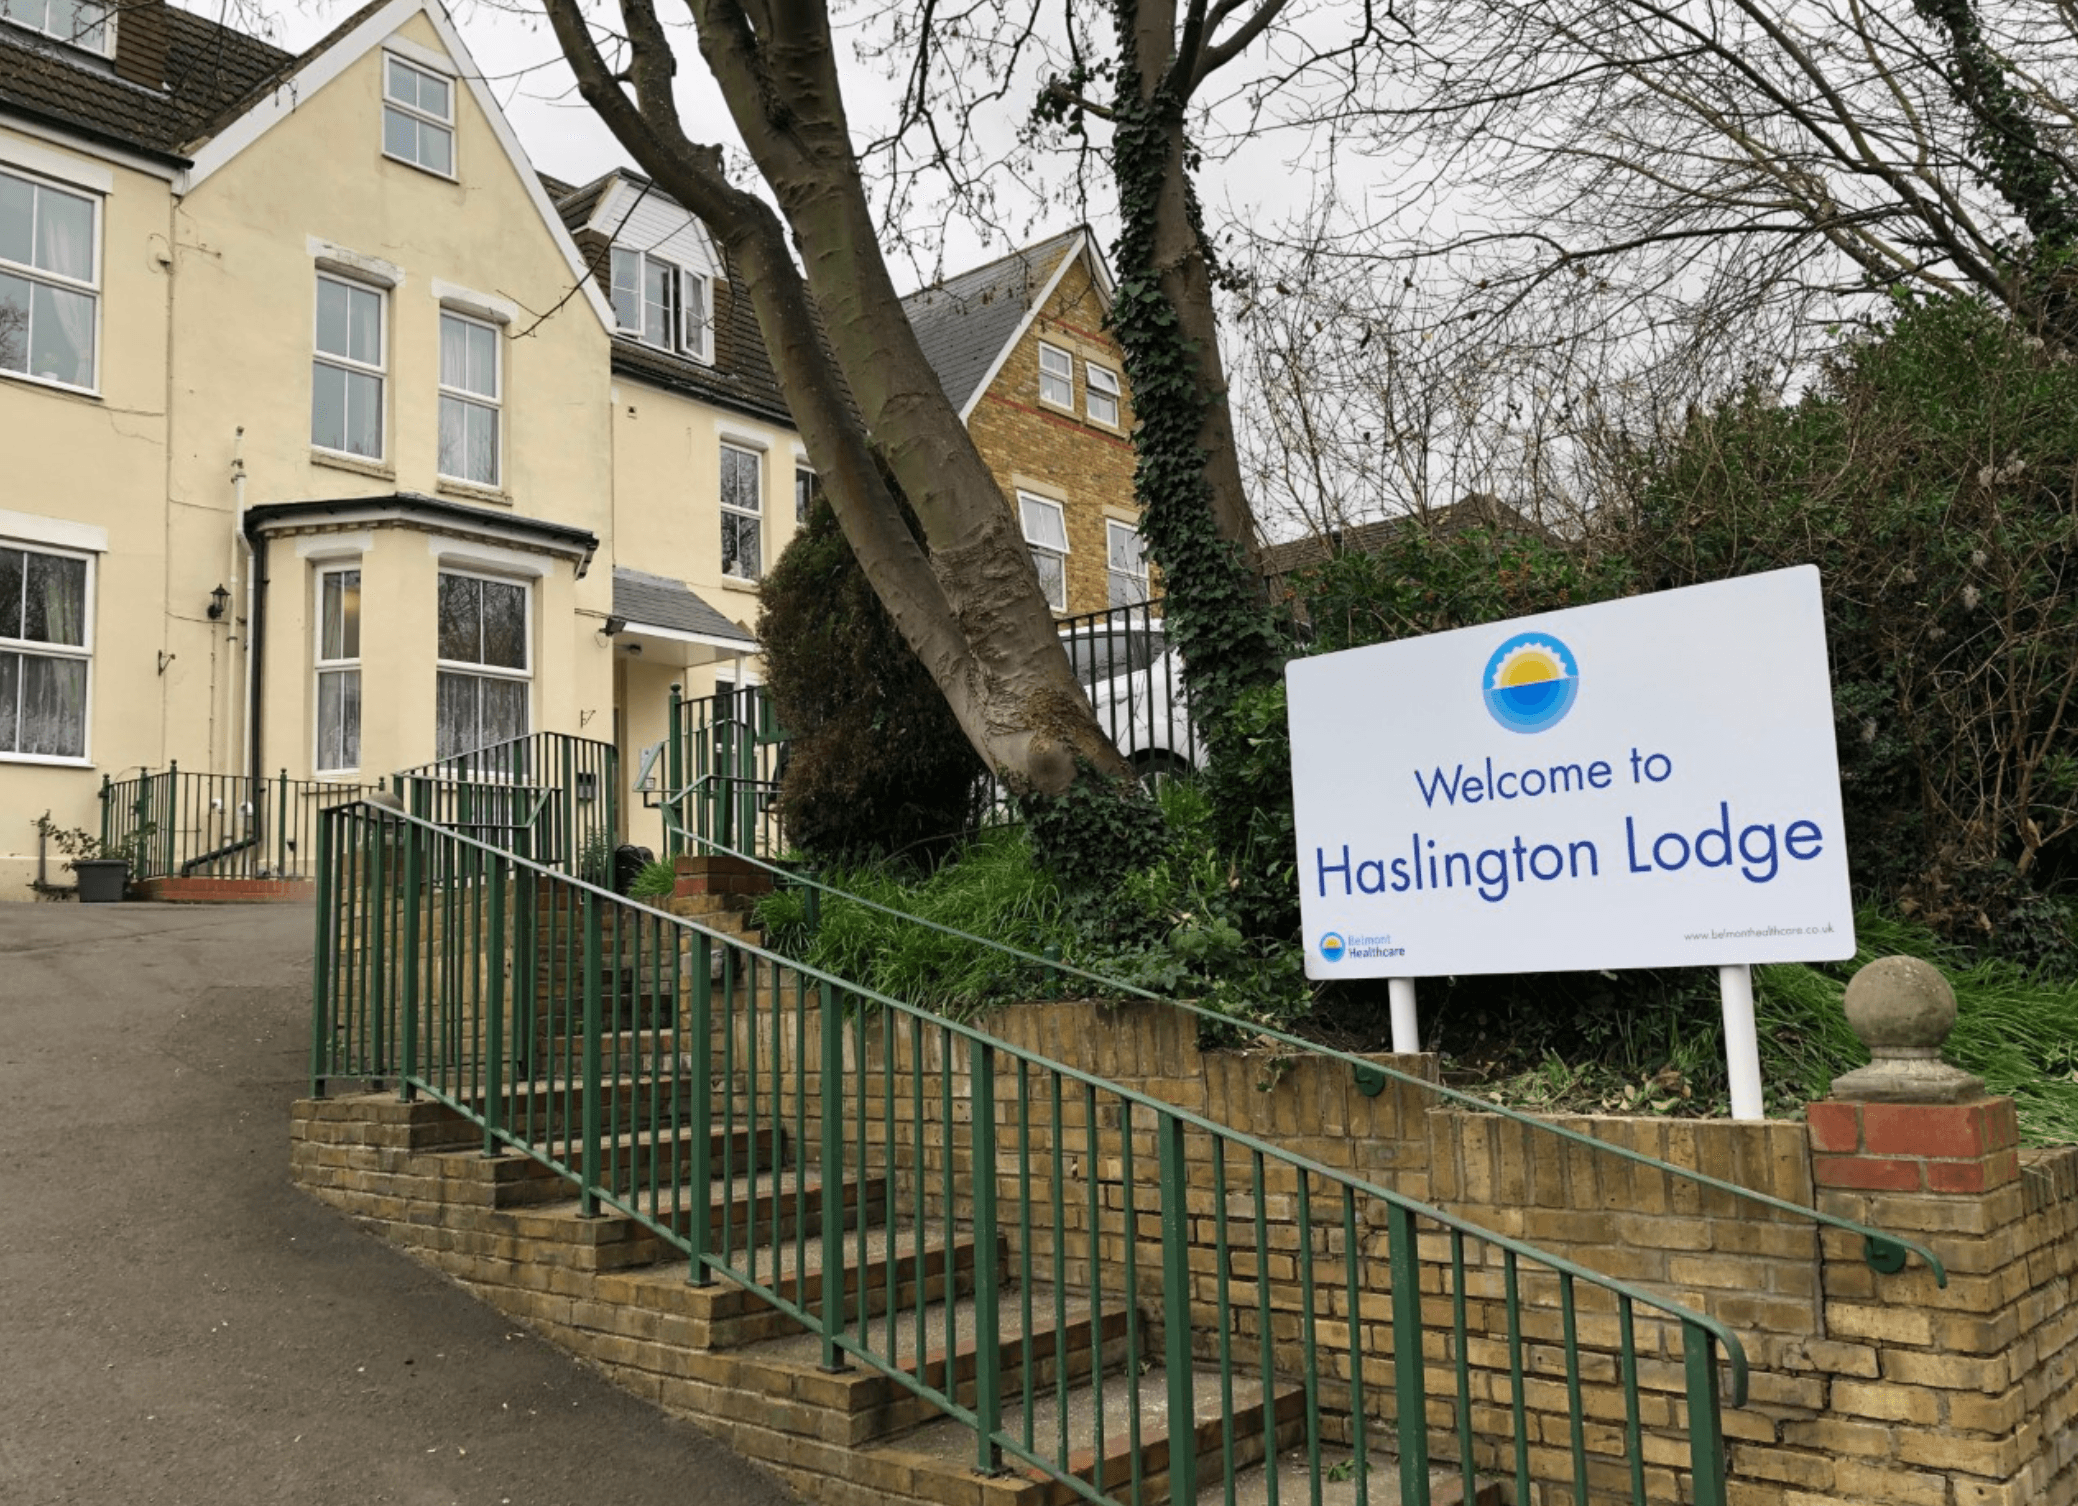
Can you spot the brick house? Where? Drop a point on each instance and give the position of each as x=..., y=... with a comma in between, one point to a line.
x=1019, y=345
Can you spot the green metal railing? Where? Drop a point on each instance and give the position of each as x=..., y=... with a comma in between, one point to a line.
x=549, y=795
x=1063, y=1264
x=1885, y=1253
x=175, y=824
x=721, y=769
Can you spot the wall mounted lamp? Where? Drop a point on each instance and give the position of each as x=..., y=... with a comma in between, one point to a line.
x=219, y=600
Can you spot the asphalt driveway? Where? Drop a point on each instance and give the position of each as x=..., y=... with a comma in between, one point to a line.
x=179, y=1324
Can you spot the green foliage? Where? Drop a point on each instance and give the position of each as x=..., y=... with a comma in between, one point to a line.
x=993, y=890
x=1933, y=478
x=78, y=845
x=1168, y=926
x=1095, y=832
x=1654, y=1043
x=2019, y=1033
x=595, y=859
x=655, y=881
x=876, y=762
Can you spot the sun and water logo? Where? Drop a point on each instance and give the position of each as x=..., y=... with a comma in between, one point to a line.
x=1332, y=946
x=1531, y=682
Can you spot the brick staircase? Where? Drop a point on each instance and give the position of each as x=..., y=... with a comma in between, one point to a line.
x=613, y=1292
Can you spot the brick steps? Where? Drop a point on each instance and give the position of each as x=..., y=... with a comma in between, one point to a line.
x=611, y=1290
x=940, y=1450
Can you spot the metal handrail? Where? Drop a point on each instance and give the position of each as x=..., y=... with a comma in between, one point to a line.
x=1885, y=1252
x=180, y=823
x=573, y=817
x=417, y=924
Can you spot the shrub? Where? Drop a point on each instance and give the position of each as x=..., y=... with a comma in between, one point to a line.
x=1933, y=478
x=876, y=764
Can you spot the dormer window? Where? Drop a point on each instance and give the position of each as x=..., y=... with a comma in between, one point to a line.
x=418, y=116
x=663, y=305
x=77, y=23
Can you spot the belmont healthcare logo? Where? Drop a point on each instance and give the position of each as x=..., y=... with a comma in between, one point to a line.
x=1332, y=946
x=1531, y=682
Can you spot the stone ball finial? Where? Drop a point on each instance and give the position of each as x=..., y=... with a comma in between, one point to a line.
x=1900, y=1001
x=1902, y=1009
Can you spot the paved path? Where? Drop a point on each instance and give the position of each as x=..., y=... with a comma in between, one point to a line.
x=178, y=1324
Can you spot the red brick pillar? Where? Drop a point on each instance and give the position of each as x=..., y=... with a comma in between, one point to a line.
x=1968, y=1147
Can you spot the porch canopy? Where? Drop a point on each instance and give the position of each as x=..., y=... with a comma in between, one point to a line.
x=671, y=624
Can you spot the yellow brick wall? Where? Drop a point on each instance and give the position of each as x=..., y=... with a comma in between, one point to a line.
x=1058, y=453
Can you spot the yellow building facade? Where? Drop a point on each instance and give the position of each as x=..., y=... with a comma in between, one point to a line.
x=339, y=440
x=313, y=431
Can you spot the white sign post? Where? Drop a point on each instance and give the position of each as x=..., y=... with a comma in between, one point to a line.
x=1641, y=783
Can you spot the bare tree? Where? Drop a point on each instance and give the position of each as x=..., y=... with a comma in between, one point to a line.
x=1135, y=96
x=870, y=409
x=1718, y=176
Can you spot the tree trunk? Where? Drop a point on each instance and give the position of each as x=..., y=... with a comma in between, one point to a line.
x=969, y=602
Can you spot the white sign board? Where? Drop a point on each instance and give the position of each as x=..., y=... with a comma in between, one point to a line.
x=1641, y=783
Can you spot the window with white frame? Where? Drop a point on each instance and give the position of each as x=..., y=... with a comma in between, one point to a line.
x=1056, y=376
x=1046, y=531
x=418, y=117
x=743, y=513
x=45, y=651
x=697, y=336
x=469, y=400
x=1126, y=563
x=78, y=23
x=662, y=304
x=1101, y=387
x=483, y=679
x=338, y=670
x=806, y=489
x=50, y=286
x=346, y=377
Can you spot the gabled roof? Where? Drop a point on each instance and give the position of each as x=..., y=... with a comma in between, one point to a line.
x=968, y=324
x=225, y=89
x=208, y=69
x=276, y=98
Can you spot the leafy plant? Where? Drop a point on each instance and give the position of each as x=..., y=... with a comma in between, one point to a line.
x=655, y=881
x=78, y=845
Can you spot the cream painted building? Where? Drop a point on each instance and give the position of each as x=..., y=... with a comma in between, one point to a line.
x=339, y=440
x=328, y=453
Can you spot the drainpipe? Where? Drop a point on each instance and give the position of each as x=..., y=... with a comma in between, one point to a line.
x=232, y=635
x=255, y=659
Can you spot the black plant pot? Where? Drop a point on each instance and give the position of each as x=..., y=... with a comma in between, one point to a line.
x=102, y=881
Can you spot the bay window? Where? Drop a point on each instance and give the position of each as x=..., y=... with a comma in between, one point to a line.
x=338, y=671
x=483, y=678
